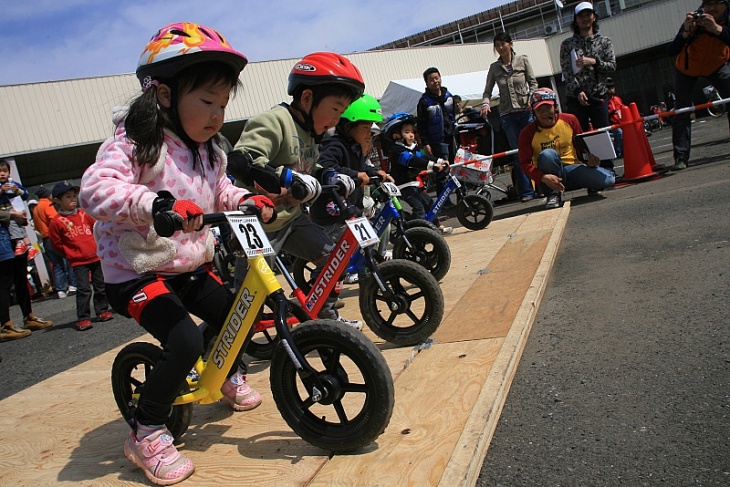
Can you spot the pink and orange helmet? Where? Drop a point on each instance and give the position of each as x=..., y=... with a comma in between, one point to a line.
x=179, y=45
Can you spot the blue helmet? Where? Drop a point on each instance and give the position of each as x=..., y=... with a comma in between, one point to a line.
x=397, y=120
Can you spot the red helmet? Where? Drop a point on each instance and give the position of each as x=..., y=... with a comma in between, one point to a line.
x=326, y=67
x=177, y=46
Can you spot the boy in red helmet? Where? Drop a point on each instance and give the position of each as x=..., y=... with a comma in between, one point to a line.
x=286, y=139
x=549, y=157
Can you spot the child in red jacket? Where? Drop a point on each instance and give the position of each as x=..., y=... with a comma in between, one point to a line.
x=72, y=235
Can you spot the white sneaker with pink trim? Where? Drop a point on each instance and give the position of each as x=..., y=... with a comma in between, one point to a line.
x=158, y=458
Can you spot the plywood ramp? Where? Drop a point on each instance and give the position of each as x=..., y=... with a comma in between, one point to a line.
x=449, y=394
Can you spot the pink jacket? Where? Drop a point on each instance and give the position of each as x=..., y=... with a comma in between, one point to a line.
x=119, y=193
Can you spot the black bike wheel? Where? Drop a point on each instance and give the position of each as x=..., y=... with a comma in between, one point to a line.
x=225, y=264
x=412, y=313
x=419, y=223
x=302, y=272
x=263, y=343
x=429, y=250
x=475, y=212
x=358, y=393
x=131, y=367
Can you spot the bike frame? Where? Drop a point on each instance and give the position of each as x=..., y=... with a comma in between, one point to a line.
x=259, y=285
x=337, y=263
x=452, y=186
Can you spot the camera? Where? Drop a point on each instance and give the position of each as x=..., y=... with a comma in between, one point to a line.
x=696, y=15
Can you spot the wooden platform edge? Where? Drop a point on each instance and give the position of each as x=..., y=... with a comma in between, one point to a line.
x=466, y=461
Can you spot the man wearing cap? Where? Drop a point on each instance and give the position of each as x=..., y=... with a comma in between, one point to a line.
x=549, y=157
x=63, y=279
x=586, y=59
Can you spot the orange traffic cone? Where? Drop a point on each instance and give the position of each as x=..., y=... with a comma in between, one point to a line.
x=636, y=116
x=638, y=158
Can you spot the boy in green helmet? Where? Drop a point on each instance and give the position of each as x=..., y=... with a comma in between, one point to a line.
x=346, y=152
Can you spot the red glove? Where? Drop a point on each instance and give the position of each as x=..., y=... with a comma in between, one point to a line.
x=186, y=209
x=256, y=200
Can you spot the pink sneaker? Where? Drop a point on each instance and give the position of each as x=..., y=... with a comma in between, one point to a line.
x=239, y=394
x=158, y=458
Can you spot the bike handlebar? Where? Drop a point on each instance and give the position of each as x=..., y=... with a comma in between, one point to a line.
x=166, y=225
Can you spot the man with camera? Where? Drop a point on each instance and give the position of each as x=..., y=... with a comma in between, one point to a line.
x=702, y=47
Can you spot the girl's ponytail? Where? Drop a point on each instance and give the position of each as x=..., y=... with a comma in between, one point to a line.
x=145, y=127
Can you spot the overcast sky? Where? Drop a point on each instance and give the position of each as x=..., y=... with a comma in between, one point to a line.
x=49, y=40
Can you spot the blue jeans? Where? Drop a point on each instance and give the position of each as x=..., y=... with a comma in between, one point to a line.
x=574, y=176
x=512, y=124
x=62, y=273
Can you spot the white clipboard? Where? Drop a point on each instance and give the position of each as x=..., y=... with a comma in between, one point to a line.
x=597, y=143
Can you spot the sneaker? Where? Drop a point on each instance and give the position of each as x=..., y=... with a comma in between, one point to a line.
x=351, y=278
x=83, y=325
x=356, y=324
x=10, y=331
x=106, y=315
x=445, y=230
x=679, y=163
x=20, y=248
x=32, y=253
x=62, y=294
x=595, y=192
x=240, y=395
x=72, y=289
x=158, y=457
x=553, y=201
x=32, y=322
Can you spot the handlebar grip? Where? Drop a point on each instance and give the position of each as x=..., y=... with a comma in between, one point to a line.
x=166, y=225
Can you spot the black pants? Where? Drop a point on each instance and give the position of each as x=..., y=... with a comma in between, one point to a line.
x=167, y=318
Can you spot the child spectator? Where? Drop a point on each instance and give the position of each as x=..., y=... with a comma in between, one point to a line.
x=166, y=141
x=72, y=235
x=64, y=281
x=407, y=160
x=9, y=190
x=614, y=116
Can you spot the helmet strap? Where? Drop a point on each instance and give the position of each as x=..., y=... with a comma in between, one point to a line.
x=303, y=118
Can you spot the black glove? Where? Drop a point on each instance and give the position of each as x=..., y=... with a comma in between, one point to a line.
x=242, y=167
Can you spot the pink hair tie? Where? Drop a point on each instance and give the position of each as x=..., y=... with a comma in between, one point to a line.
x=147, y=82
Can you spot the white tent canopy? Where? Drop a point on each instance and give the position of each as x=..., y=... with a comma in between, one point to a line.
x=403, y=95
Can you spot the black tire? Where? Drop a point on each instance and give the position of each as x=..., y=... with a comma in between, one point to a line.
x=359, y=393
x=224, y=264
x=474, y=212
x=263, y=343
x=419, y=223
x=131, y=367
x=413, y=314
x=430, y=250
x=302, y=271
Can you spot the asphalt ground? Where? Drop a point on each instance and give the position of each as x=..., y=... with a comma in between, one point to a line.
x=624, y=379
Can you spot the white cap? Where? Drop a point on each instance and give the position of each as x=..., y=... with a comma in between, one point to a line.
x=583, y=6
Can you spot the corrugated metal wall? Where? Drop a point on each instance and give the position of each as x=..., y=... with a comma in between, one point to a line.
x=41, y=116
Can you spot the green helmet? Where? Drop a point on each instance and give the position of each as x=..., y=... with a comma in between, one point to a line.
x=364, y=109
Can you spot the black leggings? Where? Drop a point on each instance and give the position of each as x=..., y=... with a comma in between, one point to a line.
x=167, y=317
x=13, y=272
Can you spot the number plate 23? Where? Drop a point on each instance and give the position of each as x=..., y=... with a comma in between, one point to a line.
x=250, y=234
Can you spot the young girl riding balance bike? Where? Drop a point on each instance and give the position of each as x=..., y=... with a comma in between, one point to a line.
x=164, y=157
